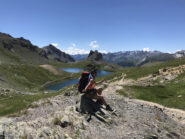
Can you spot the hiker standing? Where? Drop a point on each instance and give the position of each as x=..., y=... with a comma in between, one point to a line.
x=93, y=93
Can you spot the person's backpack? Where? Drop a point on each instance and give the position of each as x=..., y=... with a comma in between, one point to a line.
x=84, y=79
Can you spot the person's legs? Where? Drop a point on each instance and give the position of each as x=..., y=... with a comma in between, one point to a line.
x=99, y=90
x=101, y=99
x=96, y=94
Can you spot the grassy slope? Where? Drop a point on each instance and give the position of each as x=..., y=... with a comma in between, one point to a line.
x=170, y=95
x=29, y=56
x=23, y=76
x=79, y=64
x=21, y=55
x=15, y=103
x=137, y=72
x=8, y=57
x=167, y=95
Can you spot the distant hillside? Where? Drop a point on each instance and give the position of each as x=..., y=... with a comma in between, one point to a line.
x=117, y=57
x=79, y=57
x=131, y=56
x=20, y=50
x=126, y=59
x=158, y=58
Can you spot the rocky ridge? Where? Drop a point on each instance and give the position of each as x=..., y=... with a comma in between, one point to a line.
x=95, y=56
x=61, y=117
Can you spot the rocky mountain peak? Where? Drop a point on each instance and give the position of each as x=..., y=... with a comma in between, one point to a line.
x=95, y=56
x=51, y=52
x=52, y=49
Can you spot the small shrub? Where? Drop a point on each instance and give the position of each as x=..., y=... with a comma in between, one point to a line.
x=34, y=105
x=57, y=121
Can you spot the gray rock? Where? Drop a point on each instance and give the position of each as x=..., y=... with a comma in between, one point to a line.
x=169, y=77
x=65, y=121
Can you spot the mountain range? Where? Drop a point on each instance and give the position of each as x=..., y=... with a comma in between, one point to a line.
x=135, y=58
x=18, y=50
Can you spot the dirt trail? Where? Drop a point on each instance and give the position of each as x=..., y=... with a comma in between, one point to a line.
x=51, y=69
x=110, y=91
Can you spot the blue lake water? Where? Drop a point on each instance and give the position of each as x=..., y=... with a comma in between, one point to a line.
x=73, y=70
x=61, y=85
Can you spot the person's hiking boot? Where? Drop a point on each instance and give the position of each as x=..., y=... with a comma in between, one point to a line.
x=109, y=108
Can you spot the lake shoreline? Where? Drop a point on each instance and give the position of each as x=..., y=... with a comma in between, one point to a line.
x=57, y=85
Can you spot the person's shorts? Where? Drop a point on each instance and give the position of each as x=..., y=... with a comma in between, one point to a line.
x=91, y=93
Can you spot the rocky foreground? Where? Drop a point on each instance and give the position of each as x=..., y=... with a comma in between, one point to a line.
x=65, y=116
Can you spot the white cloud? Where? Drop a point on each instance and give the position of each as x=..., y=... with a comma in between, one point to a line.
x=54, y=44
x=146, y=49
x=94, y=44
x=103, y=51
x=73, y=50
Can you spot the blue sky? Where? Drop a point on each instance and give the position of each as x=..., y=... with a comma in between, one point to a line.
x=77, y=26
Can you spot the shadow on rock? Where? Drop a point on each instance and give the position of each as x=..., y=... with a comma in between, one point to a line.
x=91, y=107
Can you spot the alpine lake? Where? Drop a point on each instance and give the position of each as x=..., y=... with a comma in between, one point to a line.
x=58, y=86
